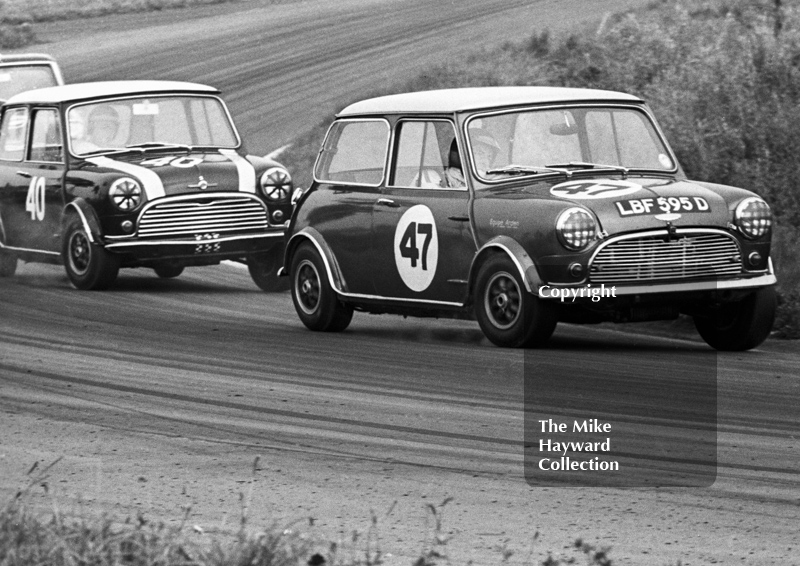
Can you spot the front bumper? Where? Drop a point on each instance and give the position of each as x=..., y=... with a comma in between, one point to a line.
x=197, y=248
x=587, y=291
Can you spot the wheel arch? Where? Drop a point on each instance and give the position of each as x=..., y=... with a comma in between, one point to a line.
x=88, y=217
x=309, y=234
x=514, y=250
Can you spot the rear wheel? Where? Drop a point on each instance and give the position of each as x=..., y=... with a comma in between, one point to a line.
x=168, y=270
x=508, y=315
x=88, y=266
x=741, y=325
x=314, y=299
x=263, y=268
x=8, y=264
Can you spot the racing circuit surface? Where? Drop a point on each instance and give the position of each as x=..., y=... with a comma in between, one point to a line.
x=160, y=394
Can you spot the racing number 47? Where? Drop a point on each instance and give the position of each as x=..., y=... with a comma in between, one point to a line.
x=408, y=243
x=34, y=202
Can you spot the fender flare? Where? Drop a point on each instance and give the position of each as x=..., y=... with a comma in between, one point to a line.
x=331, y=265
x=88, y=218
x=514, y=250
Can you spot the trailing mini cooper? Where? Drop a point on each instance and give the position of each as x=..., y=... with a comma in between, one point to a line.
x=522, y=207
x=103, y=176
x=27, y=71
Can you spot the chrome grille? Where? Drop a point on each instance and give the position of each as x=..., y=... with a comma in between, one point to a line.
x=653, y=258
x=201, y=215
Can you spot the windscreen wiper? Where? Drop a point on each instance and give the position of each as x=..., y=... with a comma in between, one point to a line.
x=587, y=165
x=528, y=170
x=158, y=145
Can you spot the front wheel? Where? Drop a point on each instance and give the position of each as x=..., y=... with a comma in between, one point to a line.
x=508, y=315
x=8, y=264
x=88, y=266
x=263, y=268
x=314, y=299
x=741, y=325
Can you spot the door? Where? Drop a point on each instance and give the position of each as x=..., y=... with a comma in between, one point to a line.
x=350, y=170
x=422, y=237
x=38, y=196
x=14, y=178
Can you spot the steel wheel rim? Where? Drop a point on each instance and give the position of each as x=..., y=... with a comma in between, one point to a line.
x=307, y=287
x=80, y=252
x=502, y=300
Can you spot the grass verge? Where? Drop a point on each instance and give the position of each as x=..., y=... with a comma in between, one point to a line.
x=28, y=538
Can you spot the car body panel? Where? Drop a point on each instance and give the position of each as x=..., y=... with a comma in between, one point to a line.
x=441, y=219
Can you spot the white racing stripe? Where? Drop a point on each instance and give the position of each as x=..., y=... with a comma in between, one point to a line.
x=151, y=182
x=247, y=173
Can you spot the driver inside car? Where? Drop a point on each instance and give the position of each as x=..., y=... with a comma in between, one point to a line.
x=102, y=129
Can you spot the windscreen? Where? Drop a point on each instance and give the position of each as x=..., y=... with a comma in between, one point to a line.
x=109, y=125
x=564, y=137
x=16, y=79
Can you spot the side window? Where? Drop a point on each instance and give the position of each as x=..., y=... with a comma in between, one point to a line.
x=354, y=152
x=46, y=139
x=427, y=156
x=12, y=134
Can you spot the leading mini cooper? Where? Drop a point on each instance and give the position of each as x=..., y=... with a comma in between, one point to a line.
x=522, y=207
x=110, y=175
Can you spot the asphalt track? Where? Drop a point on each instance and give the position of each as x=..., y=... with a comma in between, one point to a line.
x=159, y=395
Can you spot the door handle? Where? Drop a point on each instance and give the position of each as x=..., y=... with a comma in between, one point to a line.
x=387, y=202
x=24, y=174
x=459, y=218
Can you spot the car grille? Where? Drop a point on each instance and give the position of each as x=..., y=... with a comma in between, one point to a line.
x=203, y=215
x=653, y=258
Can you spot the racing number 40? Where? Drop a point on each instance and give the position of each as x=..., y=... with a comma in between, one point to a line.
x=408, y=243
x=34, y=202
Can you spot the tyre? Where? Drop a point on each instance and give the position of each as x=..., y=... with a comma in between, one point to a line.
x=8, y=264
x=314, y=299
x=508, y=315
x=263, y=268
x=167, y=270
x=734, y=327
x=88, y=266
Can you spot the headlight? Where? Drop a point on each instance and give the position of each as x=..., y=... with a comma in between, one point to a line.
x=276, y=183
x=126, y=194
x=753, y=217
x=576, y=228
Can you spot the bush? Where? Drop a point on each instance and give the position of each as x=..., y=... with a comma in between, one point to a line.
x=787, y=319
x=16, y=35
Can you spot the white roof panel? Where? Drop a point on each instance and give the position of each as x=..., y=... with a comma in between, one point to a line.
x=83, y=91
x=463, y=99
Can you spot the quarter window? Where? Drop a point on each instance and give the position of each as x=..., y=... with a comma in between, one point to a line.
x=12, y=134
x=354, y=152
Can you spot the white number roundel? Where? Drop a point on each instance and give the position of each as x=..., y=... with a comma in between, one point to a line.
x=416, y=247
x=593, y=189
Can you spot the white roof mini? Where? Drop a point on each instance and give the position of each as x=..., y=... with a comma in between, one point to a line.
x=463, y=99
x=17, y=58
x=105, y=89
